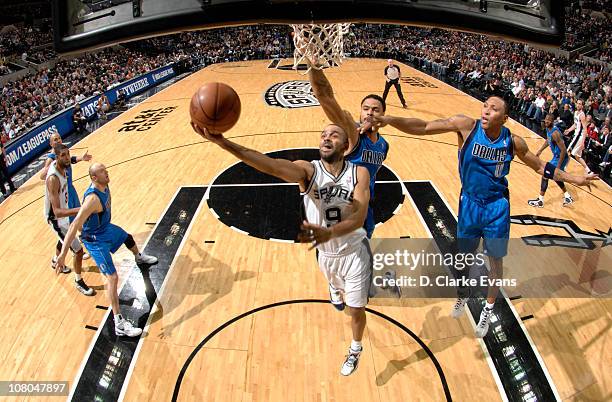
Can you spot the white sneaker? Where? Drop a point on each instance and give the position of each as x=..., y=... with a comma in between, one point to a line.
x=350, y=364
x=536, y=202
x=459, y=307
x=125, y=328
x=483, y=324
x=567, y=201
x=86, y=256
x=146, y=259
x=65, y=270
x=335, y=296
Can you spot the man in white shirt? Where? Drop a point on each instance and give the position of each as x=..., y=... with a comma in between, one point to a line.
x=539, y=104
x=474, y=74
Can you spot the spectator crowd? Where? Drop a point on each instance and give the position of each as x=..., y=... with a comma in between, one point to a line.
x=535, y=82
x=25, y=43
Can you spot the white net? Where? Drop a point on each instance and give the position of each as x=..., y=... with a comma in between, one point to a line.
x=319, y=45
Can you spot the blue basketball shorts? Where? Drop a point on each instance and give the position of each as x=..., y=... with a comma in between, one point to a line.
x=101, y=245
x=489, y=220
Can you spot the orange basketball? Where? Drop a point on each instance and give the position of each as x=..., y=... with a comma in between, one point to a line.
x=215, y=106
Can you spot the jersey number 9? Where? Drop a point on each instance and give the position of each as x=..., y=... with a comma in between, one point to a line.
x=332, y=216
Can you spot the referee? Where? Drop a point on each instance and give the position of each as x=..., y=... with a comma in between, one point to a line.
x=393, y=75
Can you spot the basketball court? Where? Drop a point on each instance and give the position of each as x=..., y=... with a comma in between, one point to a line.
x=239, y=312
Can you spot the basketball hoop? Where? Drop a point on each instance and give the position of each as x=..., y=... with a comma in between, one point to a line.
x=319, y=45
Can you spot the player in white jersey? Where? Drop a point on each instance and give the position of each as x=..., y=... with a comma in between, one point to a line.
x=579, y=127
x=336, y=195
x=73, y=197
x=57, y=211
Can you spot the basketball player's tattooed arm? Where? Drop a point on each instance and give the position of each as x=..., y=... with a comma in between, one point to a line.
x=293, y=172
x=538, y=165
x=90, y=206
x=316, y=234
x=53, y=187
x=458, y=123
x=325, y=95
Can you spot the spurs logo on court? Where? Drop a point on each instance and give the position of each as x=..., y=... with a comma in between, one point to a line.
x=291, y=94
x=577, y=238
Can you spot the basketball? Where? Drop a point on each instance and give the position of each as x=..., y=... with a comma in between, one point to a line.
x=215, y=106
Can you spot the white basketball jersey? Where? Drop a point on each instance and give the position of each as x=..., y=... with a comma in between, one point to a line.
x=63, y=196
x=578, y=122
x=328, y=200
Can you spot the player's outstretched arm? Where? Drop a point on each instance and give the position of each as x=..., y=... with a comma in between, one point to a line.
x=548, y=170
x=76, y=159
x=459, y=123
x=53, y=189
x=316, y=234
x=90, y=206
x=325, y=95
x=292, y=172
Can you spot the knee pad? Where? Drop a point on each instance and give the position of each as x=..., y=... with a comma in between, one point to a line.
x=129, y=241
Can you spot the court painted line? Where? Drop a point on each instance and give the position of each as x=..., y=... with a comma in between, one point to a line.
x=108, y=311
x=154, y=309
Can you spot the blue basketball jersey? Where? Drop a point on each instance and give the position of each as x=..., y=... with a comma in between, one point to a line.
x=484, y=164
x=556, y=151
x=369, y=155
x=98, y=223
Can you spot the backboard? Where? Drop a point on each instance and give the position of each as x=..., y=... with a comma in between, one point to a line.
x=83, y=24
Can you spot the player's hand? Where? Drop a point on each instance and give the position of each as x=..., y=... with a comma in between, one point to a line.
x=375, y=122
x=587, y=180
x=59, y=265
x=314, y=234
x=203, y=131
x=86, y=156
